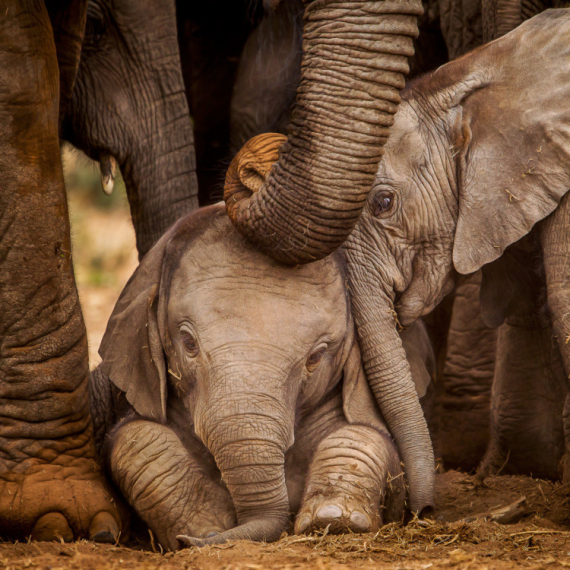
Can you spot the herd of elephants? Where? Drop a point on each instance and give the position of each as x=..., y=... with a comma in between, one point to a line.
x=384, y=290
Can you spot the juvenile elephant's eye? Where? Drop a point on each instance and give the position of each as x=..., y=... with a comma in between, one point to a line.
x=190, y=344
x=383, y=202
x=94, y=30
x=315, y=357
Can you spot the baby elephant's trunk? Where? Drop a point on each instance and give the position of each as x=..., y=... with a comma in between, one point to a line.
x=249, y=443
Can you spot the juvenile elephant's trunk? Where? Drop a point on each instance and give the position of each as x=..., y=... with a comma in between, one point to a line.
x=389, y=376
x=249, y=447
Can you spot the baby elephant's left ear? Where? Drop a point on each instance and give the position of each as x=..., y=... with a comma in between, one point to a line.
x=511, y=135
x=131, y=348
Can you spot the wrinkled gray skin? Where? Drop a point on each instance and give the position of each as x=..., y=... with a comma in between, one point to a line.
x=240, y=396
x=129, y=103
x=477, y=156
x=530, y=386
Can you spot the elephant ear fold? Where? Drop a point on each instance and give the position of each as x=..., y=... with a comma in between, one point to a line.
x=511, y=134
x=359, y=403
x=419, y=353
x=131, y=349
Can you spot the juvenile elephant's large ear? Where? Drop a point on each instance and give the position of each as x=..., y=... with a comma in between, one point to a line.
x=508, y=106
x=131, y=349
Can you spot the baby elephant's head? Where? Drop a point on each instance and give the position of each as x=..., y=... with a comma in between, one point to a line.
x=248, y=345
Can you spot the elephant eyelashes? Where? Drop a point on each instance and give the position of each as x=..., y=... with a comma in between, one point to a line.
x=94, y=29
x=382, y=203
x=314, y=358
x=190, y=344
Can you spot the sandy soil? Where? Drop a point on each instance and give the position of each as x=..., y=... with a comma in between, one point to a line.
x=539, y=540
x=458, y=537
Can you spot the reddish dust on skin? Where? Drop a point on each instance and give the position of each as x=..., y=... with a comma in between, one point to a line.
x=540, y=539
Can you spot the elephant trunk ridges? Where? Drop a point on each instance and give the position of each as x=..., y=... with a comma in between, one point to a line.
x=389, y=376
x=160, y=174
x=355, y=58
x=248, y=438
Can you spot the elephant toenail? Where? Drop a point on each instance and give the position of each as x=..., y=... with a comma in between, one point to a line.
x=303, y=524
x=329, y=512
x=104, y=528
x=52, y=527
x=359, y=521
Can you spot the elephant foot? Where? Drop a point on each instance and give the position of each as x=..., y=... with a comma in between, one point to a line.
x=350, y=486
x=52, y=502
x=339, y=514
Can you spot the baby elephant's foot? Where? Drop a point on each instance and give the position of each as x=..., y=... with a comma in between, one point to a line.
x=342, y=513
x=348, y=482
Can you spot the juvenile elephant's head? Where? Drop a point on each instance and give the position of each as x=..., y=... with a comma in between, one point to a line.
x=247, y=344
x=478, y=154
x=128, y=107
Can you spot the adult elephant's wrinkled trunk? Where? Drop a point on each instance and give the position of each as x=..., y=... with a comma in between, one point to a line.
x=160, y=174
x=248, y=436
x=389, y=376
x=355, y=58
x=129, y=108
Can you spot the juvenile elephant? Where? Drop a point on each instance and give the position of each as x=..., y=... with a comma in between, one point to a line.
x=475, y=174
x=239, y=395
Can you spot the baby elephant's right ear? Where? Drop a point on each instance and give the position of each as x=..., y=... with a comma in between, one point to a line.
x=132, y=352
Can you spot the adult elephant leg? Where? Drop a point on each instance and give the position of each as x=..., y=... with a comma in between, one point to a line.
x=555, y=240
x=465, y=394
x=50, y=483
x=175, y=492
x=211, y=41
x=268, y=75
x=527, y=400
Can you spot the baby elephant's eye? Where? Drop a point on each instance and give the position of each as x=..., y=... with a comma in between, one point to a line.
x=190, y=344
x=383, y=202
x=315, y=357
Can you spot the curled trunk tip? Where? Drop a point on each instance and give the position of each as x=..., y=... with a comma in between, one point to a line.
x=247, y=173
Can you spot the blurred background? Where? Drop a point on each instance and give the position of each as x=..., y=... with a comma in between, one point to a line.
x=103, y=242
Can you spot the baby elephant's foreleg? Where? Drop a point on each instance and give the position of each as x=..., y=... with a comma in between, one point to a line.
x=355, y=483
x=172, y=490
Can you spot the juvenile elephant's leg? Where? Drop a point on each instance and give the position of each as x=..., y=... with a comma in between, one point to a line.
x=464, y=398
x=173, y=490
x=527, y=400
x=355, y=483
x=555, y=241
x=50, y=484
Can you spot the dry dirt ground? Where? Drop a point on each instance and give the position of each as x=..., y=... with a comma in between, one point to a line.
x=541, y=539
x=538, y=535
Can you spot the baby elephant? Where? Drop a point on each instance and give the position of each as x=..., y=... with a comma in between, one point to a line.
x=233, y=394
